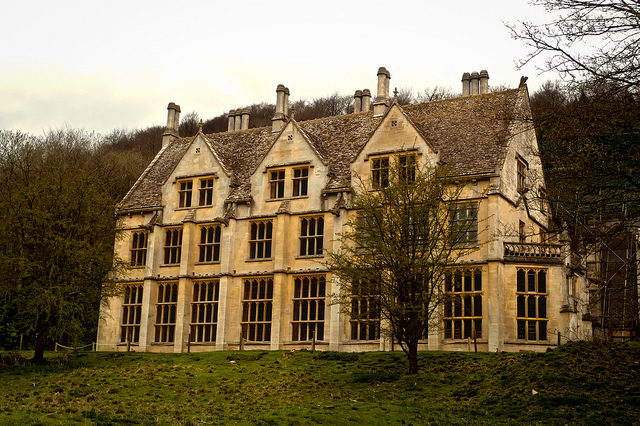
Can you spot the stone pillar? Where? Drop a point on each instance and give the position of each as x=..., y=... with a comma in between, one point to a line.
x=231, y=124
x=277, y=122
x=222, y=327
x=382, y=97
x=147, y=319
x=484, y=81
x=475, y=77
x=245, y=119
x=173, y=121
x=183, y=314
x=466, y=84
x=366, y=100
x=285, y=102
x=495, y=306
x=334, y=326
x=357, y=101
x=237, y=124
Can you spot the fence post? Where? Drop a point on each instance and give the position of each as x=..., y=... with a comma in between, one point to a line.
x=55, y=347
x=241, y=346
x=313, y=341
x=189, y=344
x=475, y=342
x=93, y=346
x=558, y=338
x=21, y=341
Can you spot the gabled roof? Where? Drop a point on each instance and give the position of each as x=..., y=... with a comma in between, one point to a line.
x=470, y=134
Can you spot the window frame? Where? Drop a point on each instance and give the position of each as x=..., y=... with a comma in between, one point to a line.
x=209, y=247
x=380, y=167
x=470, y=236
x=206, y=192
x=185, y=193
x=314, y=241
x=300, y=184
x=366, y=323
x=522, y=167
x=138, y=251
x=463, y=307
x=205, y=299
x=172, y=249
x=166, y=312
x=408, y=163
x=277, y=178
x=257, y=309
x=131, y=313
x=526, y=291
x=259, y=245
x=309, y=305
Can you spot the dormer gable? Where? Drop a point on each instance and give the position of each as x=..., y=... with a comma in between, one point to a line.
x=395, y=136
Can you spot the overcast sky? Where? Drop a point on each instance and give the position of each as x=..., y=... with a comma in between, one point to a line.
x=117, y=64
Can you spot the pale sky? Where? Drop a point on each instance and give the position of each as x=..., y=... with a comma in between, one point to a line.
x=117, y=64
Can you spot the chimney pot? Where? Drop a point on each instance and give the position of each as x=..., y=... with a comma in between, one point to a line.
x=382, y=97
x=232, y=117
x=357, y=101
x=466, y=84
x=238, y=121
x=277, y=122
x=366, y=100
x=245, y=119
x=475, y=77
x=484, y=81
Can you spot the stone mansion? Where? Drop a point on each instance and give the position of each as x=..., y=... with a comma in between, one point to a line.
x=225, y=234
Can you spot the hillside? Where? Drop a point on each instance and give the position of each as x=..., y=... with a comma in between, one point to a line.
x=577, y=383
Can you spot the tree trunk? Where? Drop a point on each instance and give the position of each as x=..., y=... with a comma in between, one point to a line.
x=38, y=356
x=413, y=357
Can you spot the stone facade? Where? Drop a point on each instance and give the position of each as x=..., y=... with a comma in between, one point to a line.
x=226, y=233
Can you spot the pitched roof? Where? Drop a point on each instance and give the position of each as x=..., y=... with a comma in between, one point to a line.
x=470, y=133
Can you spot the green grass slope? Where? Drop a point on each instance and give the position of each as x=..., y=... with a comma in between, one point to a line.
x=577, y=383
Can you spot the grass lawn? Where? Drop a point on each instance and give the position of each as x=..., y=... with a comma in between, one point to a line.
x=576, y=383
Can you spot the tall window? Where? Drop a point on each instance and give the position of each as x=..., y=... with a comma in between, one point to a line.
x=522, y=175
x=139, y=248
x=531, y=297
x=206, y=192
x=380, y=172
x=260, y=240
x=209, y=243
x=166, y=312
x=308, y=308
x=276, y=183
x=131, y=314
x=365, y=311
x=311, y=234
x=463, y=306
x=204, y=311
x=407, y=165
x=172, y=246
x=463, y=221
x=185, y=193
x=257, y=299
x=300, y=181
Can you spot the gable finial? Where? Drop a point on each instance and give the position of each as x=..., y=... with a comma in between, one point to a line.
x=395, y=94
x=200, y=129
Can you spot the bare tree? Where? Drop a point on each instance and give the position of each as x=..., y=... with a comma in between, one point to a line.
x=397, y=250
x=435, y=93
x=588, y=39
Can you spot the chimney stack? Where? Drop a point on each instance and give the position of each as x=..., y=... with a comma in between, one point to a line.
x=466, y=84
x=366, y=100
x=285, y=104
x=475, y=77
x=245, y=119
x=382, y=97
x=173, y=123
x=357, y=101
x=277, y=122
x=484, y=81
x=238, y=119
x=232, y=116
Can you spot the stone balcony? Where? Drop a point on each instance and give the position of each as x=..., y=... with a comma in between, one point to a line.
x=532, y=252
